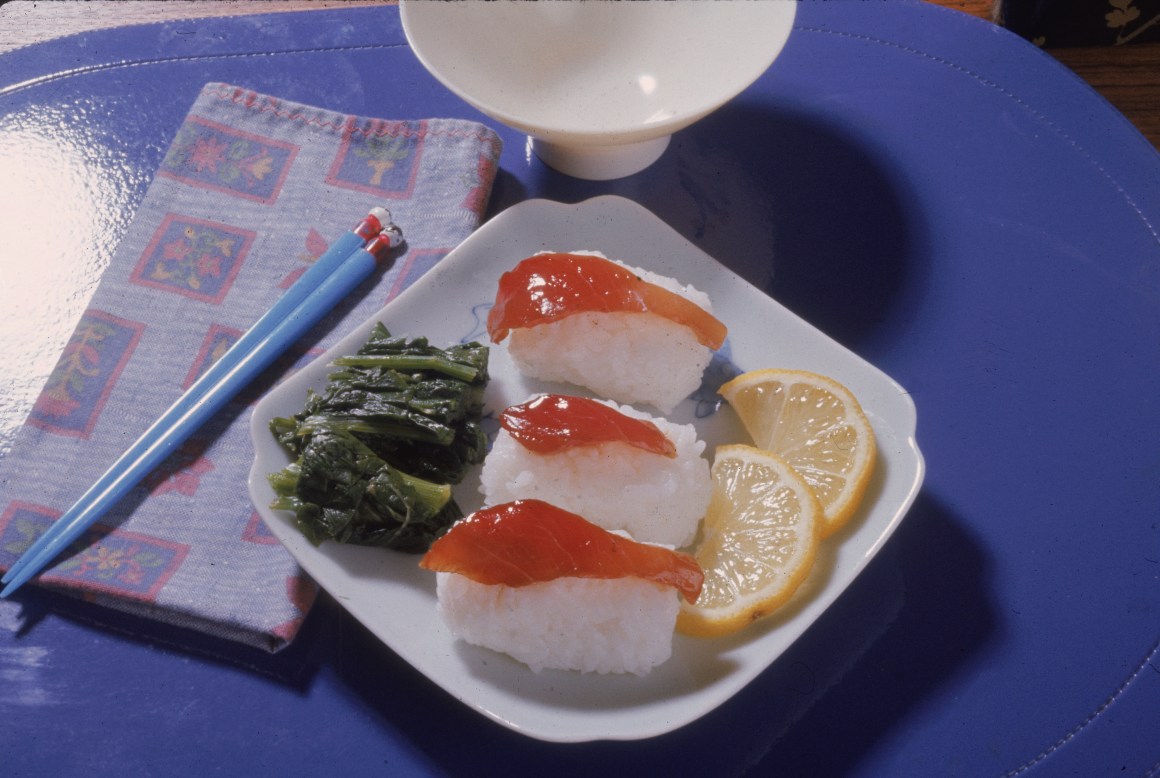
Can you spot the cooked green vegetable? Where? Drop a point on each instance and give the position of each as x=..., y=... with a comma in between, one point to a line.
x=378, y=449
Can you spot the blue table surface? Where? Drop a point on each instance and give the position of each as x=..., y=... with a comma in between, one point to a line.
x=929, y=190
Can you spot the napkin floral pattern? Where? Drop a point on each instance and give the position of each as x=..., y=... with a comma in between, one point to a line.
x=252, y=190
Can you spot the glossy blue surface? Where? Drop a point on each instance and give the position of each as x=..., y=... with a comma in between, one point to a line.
x=931, y=191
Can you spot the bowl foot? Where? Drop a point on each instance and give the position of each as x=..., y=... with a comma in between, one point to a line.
x=600, y=163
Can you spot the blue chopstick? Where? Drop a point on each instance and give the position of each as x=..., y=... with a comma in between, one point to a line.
x=194, y=408
x=370, y=226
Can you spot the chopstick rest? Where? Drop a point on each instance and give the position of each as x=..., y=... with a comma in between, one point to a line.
x=311, y=297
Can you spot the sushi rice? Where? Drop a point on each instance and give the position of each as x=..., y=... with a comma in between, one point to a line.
x=637, y=358
x=619, y=625
x=654, y=498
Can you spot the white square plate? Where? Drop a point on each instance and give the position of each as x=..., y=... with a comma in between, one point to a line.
x=395, y=599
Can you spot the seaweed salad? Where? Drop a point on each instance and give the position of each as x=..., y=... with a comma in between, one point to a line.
x=377, y=451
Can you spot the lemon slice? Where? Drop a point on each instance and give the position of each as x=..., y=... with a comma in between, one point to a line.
x=815, y=424
x=758, y=541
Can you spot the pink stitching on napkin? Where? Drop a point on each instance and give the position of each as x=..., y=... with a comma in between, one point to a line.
x=265, y=104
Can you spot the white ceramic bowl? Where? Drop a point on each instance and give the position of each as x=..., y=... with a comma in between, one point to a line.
x=598, y=86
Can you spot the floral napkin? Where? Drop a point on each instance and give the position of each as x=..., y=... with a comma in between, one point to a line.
x=252, y=190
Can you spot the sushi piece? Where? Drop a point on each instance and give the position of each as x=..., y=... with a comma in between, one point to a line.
x=616, y=466
x=553, y=590
x=625, y=333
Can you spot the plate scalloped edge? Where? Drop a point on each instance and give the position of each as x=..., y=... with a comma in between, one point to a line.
x=395, y=600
